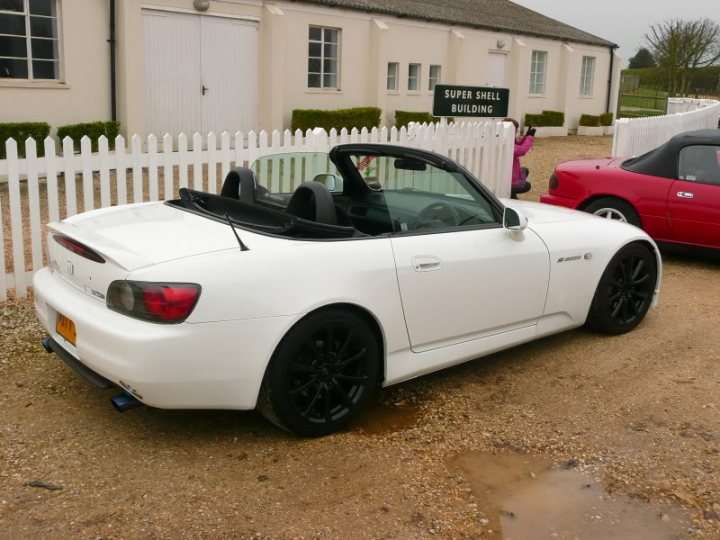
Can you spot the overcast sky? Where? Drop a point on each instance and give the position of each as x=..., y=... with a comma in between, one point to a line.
x=622, y=21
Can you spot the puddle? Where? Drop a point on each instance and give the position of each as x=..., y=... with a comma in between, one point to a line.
x=381, y=419
x=525, y=498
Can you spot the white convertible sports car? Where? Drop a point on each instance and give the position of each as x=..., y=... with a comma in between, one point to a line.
x=314, y=278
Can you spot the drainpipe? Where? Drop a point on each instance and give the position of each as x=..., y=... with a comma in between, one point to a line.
x=113, y=82
x=610, y=77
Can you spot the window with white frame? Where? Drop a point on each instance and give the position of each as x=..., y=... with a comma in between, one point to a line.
x=414, y=77
x=434, y=78
x=29, y=42
x=538, y=66
x=587, y=74
x=392, y=75
x=323, y=57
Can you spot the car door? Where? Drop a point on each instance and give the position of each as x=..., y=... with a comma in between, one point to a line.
x=694, y=199
x=461, y=275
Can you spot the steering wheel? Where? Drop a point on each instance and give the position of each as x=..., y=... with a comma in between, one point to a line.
x=437, y=215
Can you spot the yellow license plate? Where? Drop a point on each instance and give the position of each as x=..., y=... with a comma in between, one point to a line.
x=66, y=328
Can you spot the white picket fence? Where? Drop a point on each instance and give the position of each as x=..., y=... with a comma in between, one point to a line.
x=636, y=136
x=144, y=172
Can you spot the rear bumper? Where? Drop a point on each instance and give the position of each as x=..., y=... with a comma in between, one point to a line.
x=556, y=200
x=213, y=365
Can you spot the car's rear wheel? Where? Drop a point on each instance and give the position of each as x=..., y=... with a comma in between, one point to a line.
x=322, y=373
x=625, y=291
x=612, y=208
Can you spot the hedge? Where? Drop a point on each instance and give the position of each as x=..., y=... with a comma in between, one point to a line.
x=606, y=119
x=589, y=120
x=403, y=118
x=94, y=130
x=21, y=131
x=358, y=117
x=545, y=119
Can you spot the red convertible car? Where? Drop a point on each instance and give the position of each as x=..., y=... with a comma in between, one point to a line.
x=672, y=192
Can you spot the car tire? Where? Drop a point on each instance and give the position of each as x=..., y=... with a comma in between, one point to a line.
x=625, y=291
x=617, y=209
x=322, y=374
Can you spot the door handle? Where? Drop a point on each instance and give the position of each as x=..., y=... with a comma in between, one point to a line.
x=685, y=194
x=204, y=89
x=426, y=263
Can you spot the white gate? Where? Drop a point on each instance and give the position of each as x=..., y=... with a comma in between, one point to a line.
x=201, y=73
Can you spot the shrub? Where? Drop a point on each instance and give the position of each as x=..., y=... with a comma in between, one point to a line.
x=589, y=120
x=21, y=131
x=403, y=118
x=358, y=117
x=94, y=130
x=555, y=118
x=606, y=119
x=640, y=114
x=545, y=119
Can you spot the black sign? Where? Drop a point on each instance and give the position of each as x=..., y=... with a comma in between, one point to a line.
x=451, y=100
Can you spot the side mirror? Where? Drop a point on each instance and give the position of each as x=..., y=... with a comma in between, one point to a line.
x=332, y=182
x=514, y=220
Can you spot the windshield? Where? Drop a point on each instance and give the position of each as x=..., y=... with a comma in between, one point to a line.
x=281, y=174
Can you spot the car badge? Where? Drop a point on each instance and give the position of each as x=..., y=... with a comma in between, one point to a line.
x=70, y=268
x=587, y=256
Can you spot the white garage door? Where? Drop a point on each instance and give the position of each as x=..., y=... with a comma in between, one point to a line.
x=201, y=74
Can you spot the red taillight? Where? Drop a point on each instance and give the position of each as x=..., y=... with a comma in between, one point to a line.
x=170, y=303
x=78, y=248
x=151, y=301
x=553, y=182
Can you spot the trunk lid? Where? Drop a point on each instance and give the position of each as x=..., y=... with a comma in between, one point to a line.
x=131, y=237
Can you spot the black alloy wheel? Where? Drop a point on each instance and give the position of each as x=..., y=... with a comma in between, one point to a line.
x=625, y=291
x=322, y=374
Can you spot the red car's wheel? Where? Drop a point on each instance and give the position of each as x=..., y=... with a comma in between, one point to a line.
x=612, y=208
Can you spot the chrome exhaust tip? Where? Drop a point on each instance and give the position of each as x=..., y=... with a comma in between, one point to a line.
x=124, y=402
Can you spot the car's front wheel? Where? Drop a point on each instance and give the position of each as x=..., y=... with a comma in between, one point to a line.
x=625, y=291
x=612, y=208
x=322, y=373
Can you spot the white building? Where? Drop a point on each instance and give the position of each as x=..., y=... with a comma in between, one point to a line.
x=169, y=66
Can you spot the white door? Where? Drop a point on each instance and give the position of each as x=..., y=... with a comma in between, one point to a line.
x=462, y=285
x=495, y=75
x=201, y=73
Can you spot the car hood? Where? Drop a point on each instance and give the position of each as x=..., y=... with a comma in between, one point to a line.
x=138, y=235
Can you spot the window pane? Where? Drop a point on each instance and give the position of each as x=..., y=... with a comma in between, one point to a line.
x=330, y=66
x=13, y=46
x=45, y=70
x=42, y=7
x=13, y=69
x=44, y=49
x=314, y=65
x=330, y=50
x=331, y=36
x=42, y=27
x=11, y=5
x=330, y=81
x=700, y=164
x=315, y=49
x=12, y=24
x=313, y=80
x=315, y=33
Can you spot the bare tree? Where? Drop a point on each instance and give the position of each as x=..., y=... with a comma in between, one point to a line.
x=682, y=47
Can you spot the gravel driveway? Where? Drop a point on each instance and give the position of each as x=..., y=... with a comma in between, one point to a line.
x=637, y=417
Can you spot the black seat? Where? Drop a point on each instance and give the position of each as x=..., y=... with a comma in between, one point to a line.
x=239, y=184
x=313, y=201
